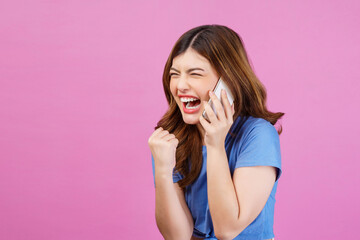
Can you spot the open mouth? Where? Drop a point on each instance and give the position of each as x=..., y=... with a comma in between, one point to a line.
x=192, y=105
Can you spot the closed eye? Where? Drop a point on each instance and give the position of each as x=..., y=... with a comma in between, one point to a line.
x=194, y=74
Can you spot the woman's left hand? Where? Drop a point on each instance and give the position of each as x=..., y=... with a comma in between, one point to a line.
x=218, y=127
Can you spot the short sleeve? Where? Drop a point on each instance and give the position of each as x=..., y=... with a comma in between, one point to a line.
x=176, y=176
x=261, y=147
x=153, y=167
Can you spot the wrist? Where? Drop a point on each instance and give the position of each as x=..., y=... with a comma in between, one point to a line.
x=215, y=153
x=163, y=178
x=216, y=148
x=163, y=172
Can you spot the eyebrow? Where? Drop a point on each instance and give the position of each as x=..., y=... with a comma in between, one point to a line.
x=189, y=70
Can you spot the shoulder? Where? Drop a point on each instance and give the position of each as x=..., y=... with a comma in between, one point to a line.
x=263, y=128
x=257, y=145
x=246, y=128
x=253, y=137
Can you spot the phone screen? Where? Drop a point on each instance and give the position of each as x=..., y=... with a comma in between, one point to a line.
x=217, y=90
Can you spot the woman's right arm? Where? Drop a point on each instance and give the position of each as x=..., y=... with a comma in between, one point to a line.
x=173, y=217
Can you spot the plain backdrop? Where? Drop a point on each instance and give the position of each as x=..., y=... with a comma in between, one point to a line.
x=81, y=92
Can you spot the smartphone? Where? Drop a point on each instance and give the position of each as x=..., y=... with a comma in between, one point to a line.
x=217, y=91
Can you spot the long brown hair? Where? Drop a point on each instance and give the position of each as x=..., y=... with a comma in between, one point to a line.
x=225, y=51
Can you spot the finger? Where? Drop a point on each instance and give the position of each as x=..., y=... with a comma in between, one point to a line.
x=204, y=123
x=210, y=113
x=218, y=106
x=168, y=137
x=175, y=141
x=226, y=103
x=159, y=129
x=162, y=133
x=156, y=132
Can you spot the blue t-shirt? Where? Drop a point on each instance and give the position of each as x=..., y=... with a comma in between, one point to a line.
x=256, y=144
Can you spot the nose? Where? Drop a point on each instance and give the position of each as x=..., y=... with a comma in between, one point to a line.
x=183, y=84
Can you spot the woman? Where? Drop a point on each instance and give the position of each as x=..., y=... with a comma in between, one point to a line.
x=215, y=178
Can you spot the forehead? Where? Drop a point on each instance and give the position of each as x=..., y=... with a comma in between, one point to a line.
x=189, y=59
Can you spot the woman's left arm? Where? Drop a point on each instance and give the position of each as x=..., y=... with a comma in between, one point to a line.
x=233, y=202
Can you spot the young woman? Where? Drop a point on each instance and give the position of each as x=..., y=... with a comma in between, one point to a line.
x=215, y=178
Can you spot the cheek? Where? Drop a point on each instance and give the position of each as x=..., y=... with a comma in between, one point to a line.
x=204, y=94
x=173, y=87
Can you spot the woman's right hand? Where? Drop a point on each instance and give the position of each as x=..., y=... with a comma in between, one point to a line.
x=163, y=148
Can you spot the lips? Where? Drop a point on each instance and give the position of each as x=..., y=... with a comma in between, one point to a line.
x=190, y=110
x=187, y=96
x=190, y=101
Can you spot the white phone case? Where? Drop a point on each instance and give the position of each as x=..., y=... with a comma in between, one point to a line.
x=217, y=90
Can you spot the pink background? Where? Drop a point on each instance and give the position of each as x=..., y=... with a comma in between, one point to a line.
x=80, y=93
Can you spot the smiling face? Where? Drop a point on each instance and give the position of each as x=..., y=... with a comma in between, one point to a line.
x=191, y=78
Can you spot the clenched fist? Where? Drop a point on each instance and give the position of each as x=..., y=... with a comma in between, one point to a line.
x=163, y=148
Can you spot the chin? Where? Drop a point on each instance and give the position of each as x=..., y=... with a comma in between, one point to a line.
x=192, y=120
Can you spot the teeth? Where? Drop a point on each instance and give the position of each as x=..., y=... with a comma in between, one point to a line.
x=187, y=106
x=188, y=99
